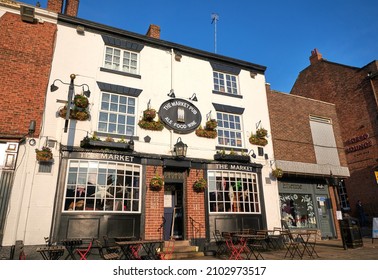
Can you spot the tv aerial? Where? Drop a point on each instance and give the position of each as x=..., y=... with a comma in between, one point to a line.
x=214, y=19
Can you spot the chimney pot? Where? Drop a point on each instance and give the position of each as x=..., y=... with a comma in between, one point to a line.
x=315, y=56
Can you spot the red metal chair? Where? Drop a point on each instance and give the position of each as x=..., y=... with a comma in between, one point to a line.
x=166, y=253
x=235, y=248
x=84, y=252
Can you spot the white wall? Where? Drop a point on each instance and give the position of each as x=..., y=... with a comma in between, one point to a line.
x=33, y=198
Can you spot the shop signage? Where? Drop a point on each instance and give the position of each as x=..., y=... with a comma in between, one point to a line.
x=364, y=143
x=180, y=115
x=237, y=167
x=105, y=156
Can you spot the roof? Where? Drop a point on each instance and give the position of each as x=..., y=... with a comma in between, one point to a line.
x=157, y=43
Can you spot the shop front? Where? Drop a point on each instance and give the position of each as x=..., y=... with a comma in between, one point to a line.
x=235, y=197
x=306, y=204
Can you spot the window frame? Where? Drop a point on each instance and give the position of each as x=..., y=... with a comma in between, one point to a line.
x=221, y=130
x=234, y=90
x=110, y=114
x=121, y=60
x=120, y=173
x=219, y=183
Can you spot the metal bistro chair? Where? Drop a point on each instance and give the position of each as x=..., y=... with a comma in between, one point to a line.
x=310, y=243
x=235, y=248
x=84, y=252
x=220, y=243
x=167, y=251
x=291, y=244
x=105, y=255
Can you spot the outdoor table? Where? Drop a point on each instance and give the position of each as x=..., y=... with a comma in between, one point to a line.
x=71, y=245
x=124, y=238
x=304, y=239
x=51, y=252
x=254, y=243
x=130, y=248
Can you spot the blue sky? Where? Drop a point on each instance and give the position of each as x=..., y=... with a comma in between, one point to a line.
x=277, y=34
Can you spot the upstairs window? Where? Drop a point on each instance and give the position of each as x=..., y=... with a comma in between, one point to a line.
x=121, y=60
x=225, y=83
x=117, y=114
x=229, y=129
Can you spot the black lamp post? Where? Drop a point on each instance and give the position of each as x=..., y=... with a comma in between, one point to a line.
x=71, y=92
x=180, y=148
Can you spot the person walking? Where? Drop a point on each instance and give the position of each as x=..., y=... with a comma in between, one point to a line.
x=361, y=213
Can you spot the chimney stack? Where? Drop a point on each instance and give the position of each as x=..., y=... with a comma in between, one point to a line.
x=154, y=31
x=315, y=56
x=71, y=7
x=55, y=5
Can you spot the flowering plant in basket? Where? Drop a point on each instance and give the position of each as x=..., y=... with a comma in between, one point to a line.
x=200, y=185
x=45, y=154
x=156, y=183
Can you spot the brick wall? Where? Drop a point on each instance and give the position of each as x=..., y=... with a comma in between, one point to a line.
x=290, y=125
x=154, y=203
x=195, y=206
x=351, y=90
x=26, y=54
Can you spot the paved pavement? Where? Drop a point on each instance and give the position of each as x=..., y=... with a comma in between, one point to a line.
x=326, y=249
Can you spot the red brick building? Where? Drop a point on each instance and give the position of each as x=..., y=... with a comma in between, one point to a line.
x=308, y=148
x=353, y=90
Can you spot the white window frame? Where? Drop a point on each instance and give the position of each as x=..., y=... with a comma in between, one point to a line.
x=116, y=114
x=227, y=128
x=225, y=83
x=244, y=197
x=121, y=60
x=102, y=186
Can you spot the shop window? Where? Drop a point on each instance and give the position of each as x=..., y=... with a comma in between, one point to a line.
x=297, y=210
x=102, y=186
x=235, y=192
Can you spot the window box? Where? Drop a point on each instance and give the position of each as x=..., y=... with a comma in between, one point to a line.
x=89, y=143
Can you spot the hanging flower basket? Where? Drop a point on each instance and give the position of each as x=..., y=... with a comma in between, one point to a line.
x=156, y=183
x=257, y=141
x=81, y=101
x=45, y=154
x=151, y=125
x=278, y=173
x=200, y=132
x=80, y=115
x=211, y=124
x=75, y=114
x=149, y=114
x=261, y=132
x=200, y=185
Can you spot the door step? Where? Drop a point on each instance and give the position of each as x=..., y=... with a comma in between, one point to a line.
x=183, y=250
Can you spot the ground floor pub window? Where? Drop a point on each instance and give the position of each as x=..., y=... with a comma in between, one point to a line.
x=297, y=210
x=235, y=192
x=102, y=186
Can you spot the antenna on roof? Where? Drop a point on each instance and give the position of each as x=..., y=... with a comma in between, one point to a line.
x=214, y=19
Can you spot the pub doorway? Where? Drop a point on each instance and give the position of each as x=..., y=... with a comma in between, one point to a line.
x=173, y=211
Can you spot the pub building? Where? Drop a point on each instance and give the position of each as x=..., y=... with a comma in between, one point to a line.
x=148, y=138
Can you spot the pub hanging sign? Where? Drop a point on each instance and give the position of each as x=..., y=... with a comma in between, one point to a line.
x=180, y=115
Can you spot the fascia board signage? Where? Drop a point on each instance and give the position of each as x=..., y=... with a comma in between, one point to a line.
x=180, y=115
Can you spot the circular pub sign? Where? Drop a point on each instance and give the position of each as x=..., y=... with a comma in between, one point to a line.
x=180, y=115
